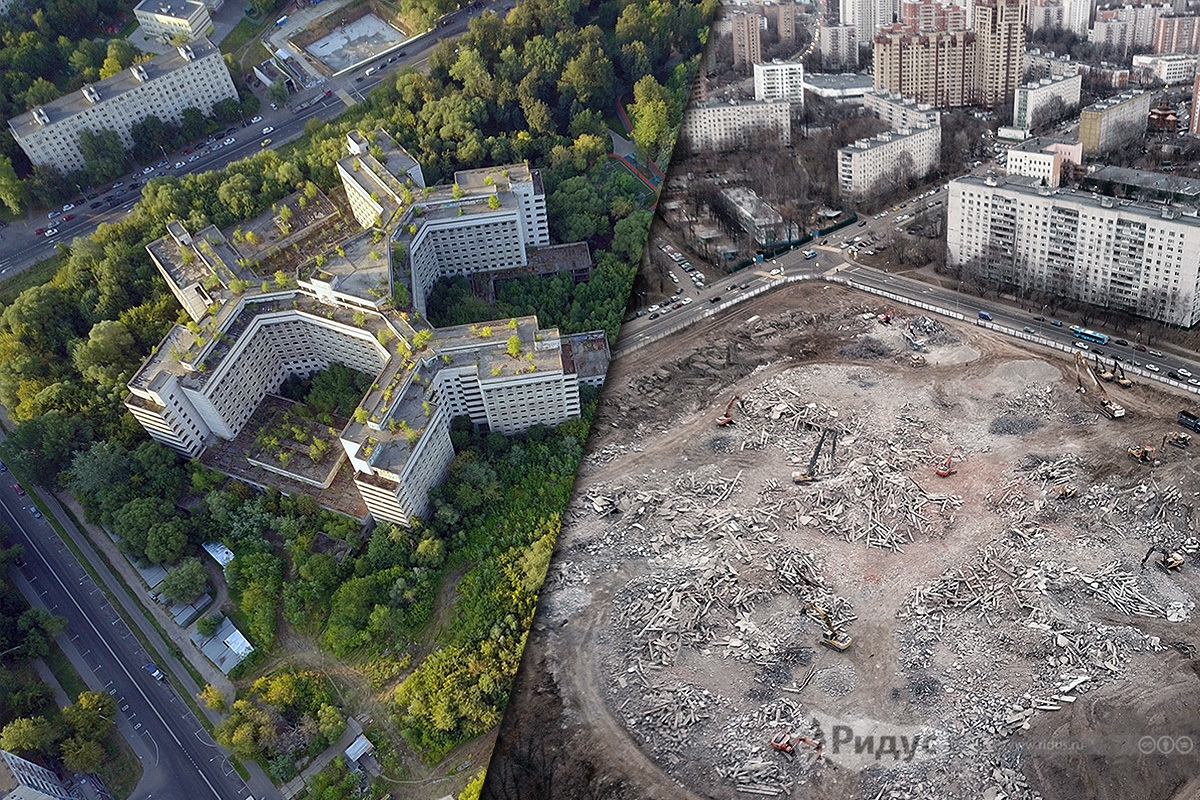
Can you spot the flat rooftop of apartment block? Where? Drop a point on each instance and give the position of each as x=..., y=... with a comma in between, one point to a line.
x=180, y=9
x=1183, y=214
x=475, y=180
x=74, y=102
x=1038, y=144
x=360, y=270
x=1158, y=182
x=1116, y=100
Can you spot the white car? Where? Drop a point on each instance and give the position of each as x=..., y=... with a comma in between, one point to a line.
x=229, y=141
x=1082, y=345
x=776, y=271
x=255, y=119
x=267, y=130
x=1184, y=372
x=147, y=170
x=1153, y=368
x=686, y=301
x=68, y=207
x=51, y=232
x=1193, y=381
x=179, y=165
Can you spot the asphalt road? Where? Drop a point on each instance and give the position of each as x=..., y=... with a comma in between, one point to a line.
x=21, y=247
x=179, y=758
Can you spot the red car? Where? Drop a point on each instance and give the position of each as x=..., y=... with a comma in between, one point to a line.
x=39, y=231
x=1141, y=348
x=20, y=491
x=68, y=217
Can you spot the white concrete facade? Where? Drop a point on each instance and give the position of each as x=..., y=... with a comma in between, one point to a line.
x=1170, y=68
x=164, y=19
x=21, y=779
x=194, y=75
x=721, y=126
x=909, y=153
x=1032, y=97
x=779, y=80
x=1094, y=249
x=205, y=382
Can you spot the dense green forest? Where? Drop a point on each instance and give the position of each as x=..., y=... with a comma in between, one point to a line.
x=538, y=85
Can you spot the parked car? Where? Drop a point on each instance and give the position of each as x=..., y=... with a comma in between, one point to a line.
x=39, y=231
x=267, y=130
x=155, y=672
x=68, y=217
x=255, y=119
x=1141, y=348
x=228, y=141
x=68, y=207
x=51, y=232
x=19, y=490
x=1153, y=368
x=1155, y=353
x=37, y=514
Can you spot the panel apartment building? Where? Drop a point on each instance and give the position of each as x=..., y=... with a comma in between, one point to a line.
x=1096, y=249
x=205, y=382
x=721, y=125
x=487, y=220
x=1109, y=123
x=193, y=75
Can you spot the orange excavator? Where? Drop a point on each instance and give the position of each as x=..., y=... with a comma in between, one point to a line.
x=946, y=469
x=786, y=743
x=727, y=417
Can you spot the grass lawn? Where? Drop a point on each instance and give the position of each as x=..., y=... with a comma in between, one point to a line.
x=36, y=275
x=242, y=33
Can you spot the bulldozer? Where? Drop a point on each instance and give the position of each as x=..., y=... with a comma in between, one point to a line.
x=1177, y=439
x=810, y=473
x=833, y=638
x=1144, y=454
x=786, y=742
x=1170, y=559
x=726, y=417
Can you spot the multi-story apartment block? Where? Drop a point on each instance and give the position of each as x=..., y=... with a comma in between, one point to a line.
x=1177, y=35
x=1043, y=159
x=782, y=17
x=1077, y=16
x=487, y=220
x=1127, y=26
x=1092, y=248
x=721, y=126
x=1194, y=121
x=24, y=780
x=924, y=15
x=204, y=382
x=1110, y=123
x=1046, y=14
x=1170, y=68
x=867, y=16
x=894, y=155
x=1000, y=49
x=838, y=45
x=194, y=75
x=937, y=68
x=779, y=80
x=899, y=111
x=747, y=40
x=1046, y=101
x=165, y=19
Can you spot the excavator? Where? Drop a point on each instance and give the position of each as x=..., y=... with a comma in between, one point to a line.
x=946, y=469
x=1122, y=381
x=786, y=743
x=1107, y=407
x=810, y=474
x=1144, y=454
x=1066, y=491
x=727, y=417
x=1171, y=559
x=1177, y=439
x=1103, y=370
x=832, y=638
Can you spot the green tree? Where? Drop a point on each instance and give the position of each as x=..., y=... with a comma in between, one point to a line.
x=103, y=154
x=514, y=346
x=212, y=698
x=27, y=735
x=82, y=755
x=629, y=235
x=121, y=55
x=43, y=446
x=107, y=357
x=12, y=190
x=277, y=92
x=185, y=582
x=652, y=117
x=91, y=716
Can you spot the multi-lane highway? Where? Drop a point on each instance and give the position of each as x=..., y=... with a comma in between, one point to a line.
x=179, y=758
x=21, y=245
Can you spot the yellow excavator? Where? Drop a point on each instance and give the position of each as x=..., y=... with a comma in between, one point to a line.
x=1107, y=407
x=1144, y=454
x=1168, y=559
x=1177, y=439
x=1122, y=381
x=833, y=638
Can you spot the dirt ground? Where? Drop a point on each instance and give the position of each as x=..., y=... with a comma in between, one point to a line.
x=1006, y=642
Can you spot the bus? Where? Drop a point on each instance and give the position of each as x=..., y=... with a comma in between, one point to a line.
x=1089, y=335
